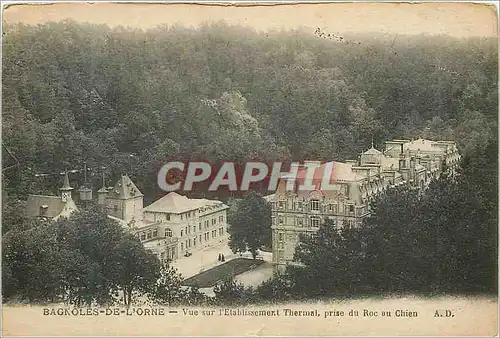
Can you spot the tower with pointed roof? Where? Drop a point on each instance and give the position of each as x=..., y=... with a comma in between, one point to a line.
x=124, y=200
x=66, y=189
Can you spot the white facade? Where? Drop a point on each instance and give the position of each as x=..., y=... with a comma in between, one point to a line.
x=194, y=223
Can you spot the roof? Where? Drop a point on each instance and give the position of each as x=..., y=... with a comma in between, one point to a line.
x=124, y=189
x=340, y=172
x=425, y=145
x=66, y=185
x=372, y=151
x=176, y=204
x=54, y=205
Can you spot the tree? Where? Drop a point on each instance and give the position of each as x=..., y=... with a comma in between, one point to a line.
x=84, y=259
x=232, y=292
x=329, y=262
x=168, y=288
x=250, y=224
x=134, y=268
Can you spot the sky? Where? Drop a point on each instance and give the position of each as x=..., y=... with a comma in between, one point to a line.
x=455, y=19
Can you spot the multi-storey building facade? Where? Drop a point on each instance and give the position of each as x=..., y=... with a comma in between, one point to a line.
x=354, y=183
x=170, y=227
x=193, y=224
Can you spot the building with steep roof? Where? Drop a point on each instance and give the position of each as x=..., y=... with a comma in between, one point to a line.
x=124, y=200
x=355, y=183
x=52, y=207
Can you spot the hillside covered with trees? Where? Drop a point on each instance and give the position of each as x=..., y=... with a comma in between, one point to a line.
x=130, y=100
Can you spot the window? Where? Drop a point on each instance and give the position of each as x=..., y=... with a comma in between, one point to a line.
x=199, y=226
x=281, y=245
x=300, y=206
x=200, y=238
x=115, y=208
x=194, y=241
x=221, y=231
x=282, y=204
x=148, y=235
x=189, y=243
x=182, y=246
x=301, y=222
x=167, y=217
x=280, y=237
x=281, y=220
x=168, y=233
x=351, y=208
x=143, y=236
x=315, y=221
x=155, y=233
x=186, y=230
x=181, y=233
x=194, y=228
x=314, y=205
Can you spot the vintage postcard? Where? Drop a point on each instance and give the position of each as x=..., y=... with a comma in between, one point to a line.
x=273, y=169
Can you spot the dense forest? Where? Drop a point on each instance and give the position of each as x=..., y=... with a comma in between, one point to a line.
x=130, y=100
x=125, y=100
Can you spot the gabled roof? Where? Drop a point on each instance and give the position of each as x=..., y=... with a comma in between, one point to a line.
x=124, y=189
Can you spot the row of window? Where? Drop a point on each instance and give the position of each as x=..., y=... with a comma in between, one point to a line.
x=153, y=233
x=314, y=205
x=206, y=224
x=193, y=242
x=313, y=221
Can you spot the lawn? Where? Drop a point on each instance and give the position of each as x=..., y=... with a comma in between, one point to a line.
x=234, y=267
